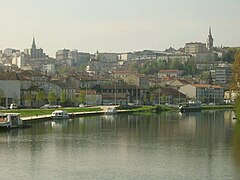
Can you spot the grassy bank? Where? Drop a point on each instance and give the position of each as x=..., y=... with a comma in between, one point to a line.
x=145, y=108
x=34, y=112
x=218, y=107
x=39, y=112
x=150, y=109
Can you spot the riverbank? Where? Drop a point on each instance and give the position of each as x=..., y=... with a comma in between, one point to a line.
x=38, y=114
x=75, y=112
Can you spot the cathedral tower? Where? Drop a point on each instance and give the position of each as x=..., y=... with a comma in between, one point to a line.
x=210, y=40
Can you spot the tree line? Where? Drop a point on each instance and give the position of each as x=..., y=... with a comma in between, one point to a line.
x=150, y=68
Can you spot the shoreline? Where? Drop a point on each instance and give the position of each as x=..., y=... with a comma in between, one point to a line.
x=75, y=114
x=130, y=110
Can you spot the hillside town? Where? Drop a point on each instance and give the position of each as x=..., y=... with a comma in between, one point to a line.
x=197, y=71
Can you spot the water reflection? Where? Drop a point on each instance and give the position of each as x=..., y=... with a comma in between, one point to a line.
x=170, y=145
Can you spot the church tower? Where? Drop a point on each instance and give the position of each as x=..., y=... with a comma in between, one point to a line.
x=33, y=50
x=33, y=44
x=210, y=40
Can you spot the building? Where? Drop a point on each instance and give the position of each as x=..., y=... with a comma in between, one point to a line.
x=62, y=54
x=35, y=53
x=19, y=59
x=223, y=75
x=195, y=48
x=106, y=57
x=9, y=89
x=122, y=74
x=167, y=95
x=118, y=93
x=209, y=43
x=126, y=56
x=203, y=92
x=169, y=73
x=10, y=51
x=138, y=80
x=49, y=68
x=82, y=57
x=91, y=97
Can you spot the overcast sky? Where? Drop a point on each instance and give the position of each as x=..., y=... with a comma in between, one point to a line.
x=117, y=25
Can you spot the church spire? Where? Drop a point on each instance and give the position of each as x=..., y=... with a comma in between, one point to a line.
x=210, y=32
x=33, y=44
x=209, y=39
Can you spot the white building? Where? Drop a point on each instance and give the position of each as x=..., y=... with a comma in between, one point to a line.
x=203, y=92
x=223, y=74
x=195, y=47
x=126, y=56
x=19, y=60
x=9, y=92
x=49, y=68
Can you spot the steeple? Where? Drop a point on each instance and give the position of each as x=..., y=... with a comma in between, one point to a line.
x=210, y=33
x=210, y=39
x=33, y=44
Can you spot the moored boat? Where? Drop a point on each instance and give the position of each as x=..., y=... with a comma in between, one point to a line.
x=191, y=106
x=60, y=114
x=11, y=120
x=111, y=110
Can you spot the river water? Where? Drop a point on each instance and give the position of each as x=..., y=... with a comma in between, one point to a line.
x=169, y=145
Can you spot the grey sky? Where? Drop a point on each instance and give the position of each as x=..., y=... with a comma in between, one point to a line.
x=117, y=26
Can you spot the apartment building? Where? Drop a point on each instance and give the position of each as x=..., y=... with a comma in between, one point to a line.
x=203, y=92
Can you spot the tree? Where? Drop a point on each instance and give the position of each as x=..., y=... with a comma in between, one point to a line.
x=163, y=99
x=236, y=72
x=40, y=97
x=162, y=64
x=210, y=80
x=152, y=99
x=82, y=98
x=63, y=98
x=52, y=98
x=176, y=64
x=229, y=55
x=2, y=95
x=28, y=97
x=146, y=98
x=190, y=67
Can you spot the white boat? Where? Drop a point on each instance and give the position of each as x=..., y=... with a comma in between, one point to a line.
x=191, y=106
x=11, y=120
x=60, y=114
x=111, y=110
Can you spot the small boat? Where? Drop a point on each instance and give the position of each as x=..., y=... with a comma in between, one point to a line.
x=60, y=114
x=191, y=106
x=11, y=120
x=111, y=110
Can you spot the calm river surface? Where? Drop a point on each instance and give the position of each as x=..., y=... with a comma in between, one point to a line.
x=169, y=145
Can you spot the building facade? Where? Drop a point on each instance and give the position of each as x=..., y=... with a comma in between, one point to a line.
x=195, y=47
x=203, y=92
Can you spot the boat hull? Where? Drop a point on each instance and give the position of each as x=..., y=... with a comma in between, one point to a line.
x=60, y=117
